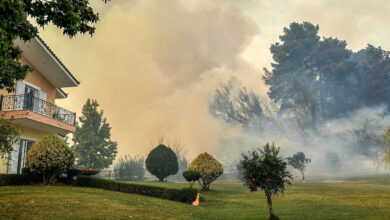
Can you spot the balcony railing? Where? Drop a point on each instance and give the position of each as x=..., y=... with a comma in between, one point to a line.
x=29, y=102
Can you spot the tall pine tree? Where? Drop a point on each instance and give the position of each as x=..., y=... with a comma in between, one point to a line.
x=92, y=144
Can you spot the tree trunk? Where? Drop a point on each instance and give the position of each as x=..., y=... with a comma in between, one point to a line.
x=44, y=179
x=269, y=203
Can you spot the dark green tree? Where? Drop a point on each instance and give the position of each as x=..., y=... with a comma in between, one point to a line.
x=92, y=144
x=162, y=162
x=310, y=76
x=72, y=16
x=374, y=77
x=268, y=171
x=299, y=161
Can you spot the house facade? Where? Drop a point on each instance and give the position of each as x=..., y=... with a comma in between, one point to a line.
x=32, y=104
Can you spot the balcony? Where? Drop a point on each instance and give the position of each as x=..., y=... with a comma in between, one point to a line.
x=35, y=112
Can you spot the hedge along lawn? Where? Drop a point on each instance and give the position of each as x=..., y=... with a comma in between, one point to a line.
x=356, y=198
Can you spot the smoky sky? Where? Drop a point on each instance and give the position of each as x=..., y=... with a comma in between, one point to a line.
x=153, y=65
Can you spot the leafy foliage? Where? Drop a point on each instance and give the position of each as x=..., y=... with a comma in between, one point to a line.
x=267, y=170
x=50, y=157
x=162, y=162
x=191, y=176
x=130, y=168
x=299, y=161
x=92, y=144
x=9, y=130
x=208, y=167
x=72, y=16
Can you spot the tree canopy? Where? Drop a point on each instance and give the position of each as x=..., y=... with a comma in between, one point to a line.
x=50, y=156
x=93, y=146
x=309, y=78
x=162, y=162
x=208, y=167
x=9, y=130
x=20, y=19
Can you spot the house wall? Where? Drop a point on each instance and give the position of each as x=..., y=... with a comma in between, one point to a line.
x=27, y=133
x=3, y=164
x=36, y=78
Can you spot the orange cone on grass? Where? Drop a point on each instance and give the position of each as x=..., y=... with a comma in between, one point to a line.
x=196, y=202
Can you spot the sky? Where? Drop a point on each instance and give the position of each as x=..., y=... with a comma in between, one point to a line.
x=154, y=65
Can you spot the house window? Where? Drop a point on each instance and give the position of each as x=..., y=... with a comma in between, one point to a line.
x=29, y=99
x=24, y=147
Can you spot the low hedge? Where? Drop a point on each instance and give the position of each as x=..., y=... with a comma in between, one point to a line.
x=14, y=179
x=186, y=195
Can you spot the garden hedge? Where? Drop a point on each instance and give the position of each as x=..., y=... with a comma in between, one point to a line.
x=14, y=179
x=186, y=195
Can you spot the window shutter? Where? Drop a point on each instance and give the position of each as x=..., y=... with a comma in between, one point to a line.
x=20, y=87
x=42, y=102
x=13, y=158
x=19, y=98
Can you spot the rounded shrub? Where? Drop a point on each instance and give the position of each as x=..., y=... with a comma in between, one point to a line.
x=50, y=157
x=191, y=176
x=162, y=162
x=208, y=167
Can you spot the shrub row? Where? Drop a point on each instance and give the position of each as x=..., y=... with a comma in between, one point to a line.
x=186, y=195
x=14, y=179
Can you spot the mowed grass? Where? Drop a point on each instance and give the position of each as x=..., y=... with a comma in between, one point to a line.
x=356, y=198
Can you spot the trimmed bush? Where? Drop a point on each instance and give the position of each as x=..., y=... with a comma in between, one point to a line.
x=162, y=162
x=50, y=157
x=208, y=167
x=186, y=195
x=191, y=176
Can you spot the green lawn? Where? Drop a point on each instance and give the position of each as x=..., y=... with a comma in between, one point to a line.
x=356, y=198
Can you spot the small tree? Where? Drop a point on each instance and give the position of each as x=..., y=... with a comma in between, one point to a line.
x=299, y=161
x=208, y=167
x=9, y=130
x=162, y=162
x=382, y=157
x=266, y=169
x=333, y=162
x=130, y=168
x=191, y=176
x=50, y=157
x=240, y=171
